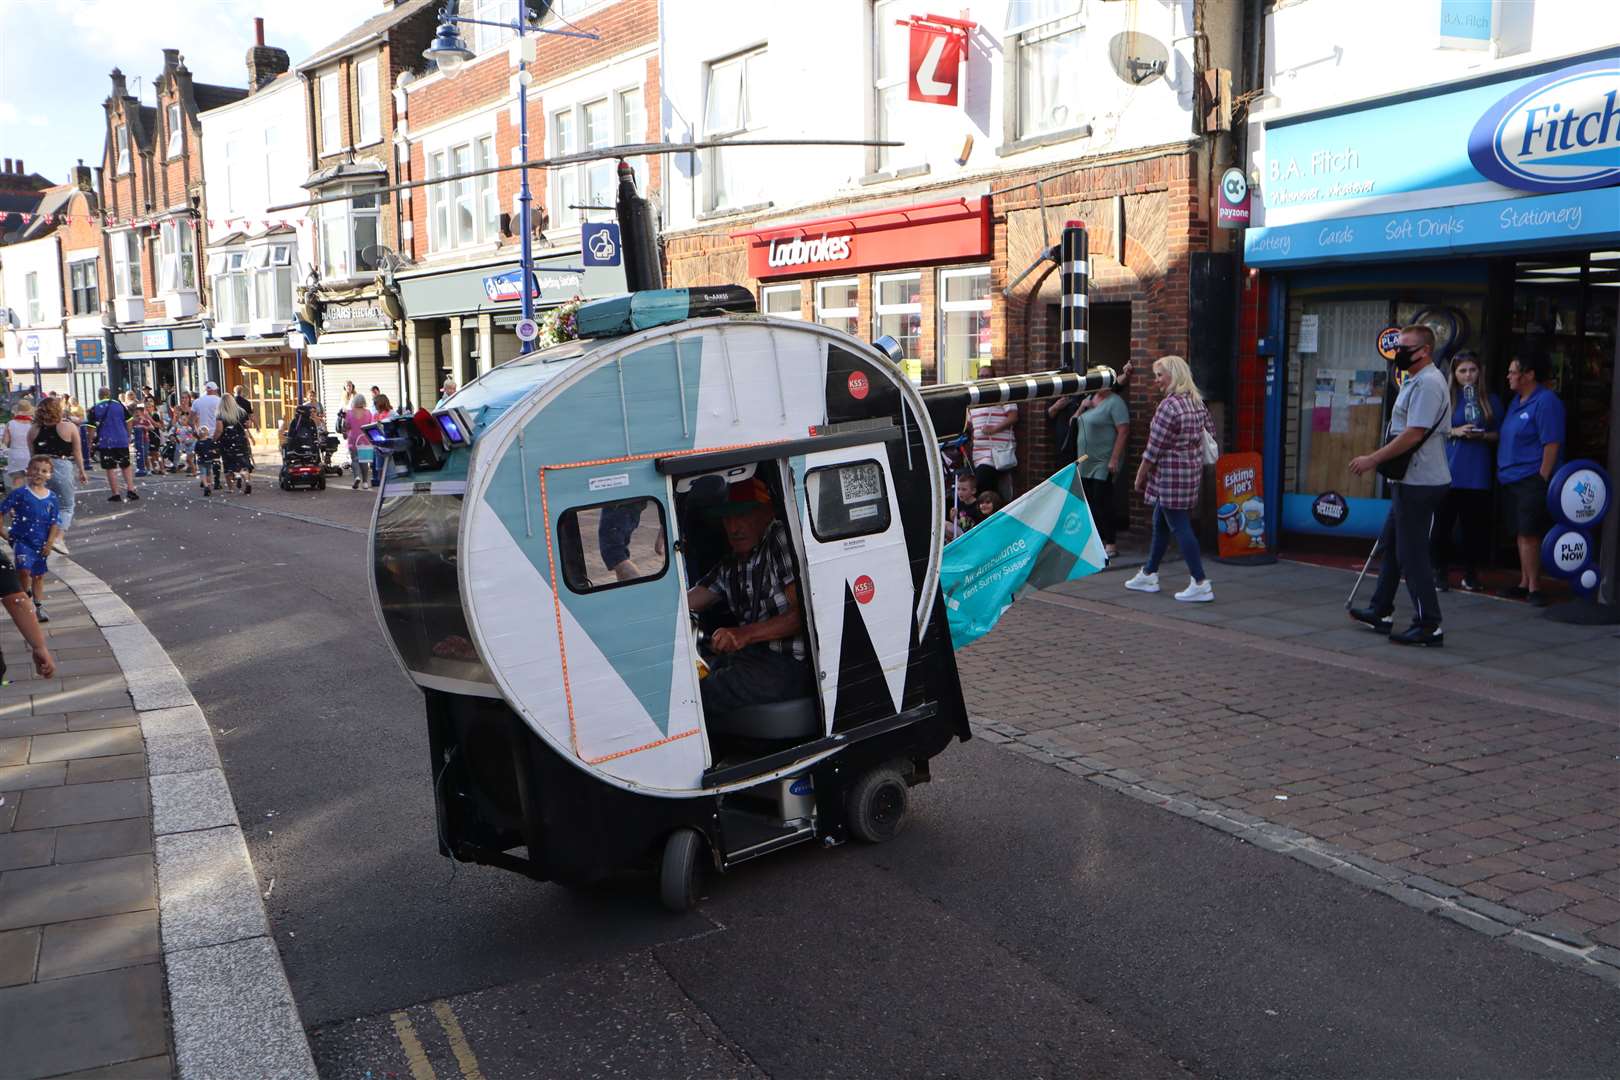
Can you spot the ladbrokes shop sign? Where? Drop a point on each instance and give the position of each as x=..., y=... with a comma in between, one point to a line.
x=952, y=230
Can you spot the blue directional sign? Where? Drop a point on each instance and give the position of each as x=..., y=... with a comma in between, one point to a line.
x=600, y=242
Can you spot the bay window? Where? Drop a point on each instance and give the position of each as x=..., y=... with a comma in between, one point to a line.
x=1047, y=36
x=121, y=141
x=782, y=301
x=272, y=283
x=734, y=107
x=348, y=236
x=964, y=322
x=178, y=266
x=837, y=304
x=126, y=264
x=370, y=105
x=172, y=118
x=85, y=285
x=331, y=118
x=463, y=211
x=227, y=271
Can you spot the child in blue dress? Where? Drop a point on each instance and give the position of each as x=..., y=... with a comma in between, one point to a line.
x=31, y=519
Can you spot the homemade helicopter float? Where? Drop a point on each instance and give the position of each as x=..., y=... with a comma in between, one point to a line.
x=567, y=735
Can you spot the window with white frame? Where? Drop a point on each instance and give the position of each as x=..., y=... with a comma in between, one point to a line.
x=593, y=125
x=1047, y=37
x=462, y=212
x=891, y=73
x=232, y=182
x=897, y=311
x=734, y=108
x=370, y=104
x=84, y=282
x=126, y=263
x=330, y=94
x=272, y=269
x=172, y=118
x=272, y=151
x=227, y=270
x=782, y=301
x=178, y=266
x=838, y=304
x=121, y=141
x=485, y=38
x=348, y=236
x=36, y=313
x=964, y=322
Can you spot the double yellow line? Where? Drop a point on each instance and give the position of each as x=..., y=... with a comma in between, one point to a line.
x=416, y=1056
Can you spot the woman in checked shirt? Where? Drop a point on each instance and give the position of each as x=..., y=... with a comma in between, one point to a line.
x=1170, y=474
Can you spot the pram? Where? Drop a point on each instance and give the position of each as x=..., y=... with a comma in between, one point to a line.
x=305, y=450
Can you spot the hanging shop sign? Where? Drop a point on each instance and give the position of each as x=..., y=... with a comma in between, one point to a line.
x=935, y=68
x=599, y=243
x=1240, y=514
x=1509, y=160
x=88, y=352
x=955, y=230
x=1232, y=205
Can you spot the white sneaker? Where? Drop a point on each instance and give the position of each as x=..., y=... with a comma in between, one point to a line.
x=1197, y=592
x=1144, y=582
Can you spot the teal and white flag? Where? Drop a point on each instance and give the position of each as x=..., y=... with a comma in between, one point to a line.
x=1042, y=538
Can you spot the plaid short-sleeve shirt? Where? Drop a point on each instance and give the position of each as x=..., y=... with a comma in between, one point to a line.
x=1176, y=448
x=755, y=585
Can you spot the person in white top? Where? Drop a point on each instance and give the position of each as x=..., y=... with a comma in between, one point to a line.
x=206, y=408
x=995, y=444
x=15, y=440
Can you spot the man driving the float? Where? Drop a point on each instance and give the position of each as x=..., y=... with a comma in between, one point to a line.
x=763, y=657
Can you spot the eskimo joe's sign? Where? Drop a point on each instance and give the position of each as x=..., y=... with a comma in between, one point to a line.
x=949, y=231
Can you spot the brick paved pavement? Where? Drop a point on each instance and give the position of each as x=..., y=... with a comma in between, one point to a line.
x=1491, y=781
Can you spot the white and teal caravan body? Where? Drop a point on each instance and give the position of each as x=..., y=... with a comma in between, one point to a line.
x=532, y=549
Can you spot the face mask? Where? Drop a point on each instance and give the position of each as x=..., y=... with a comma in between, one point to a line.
x=1406, y=356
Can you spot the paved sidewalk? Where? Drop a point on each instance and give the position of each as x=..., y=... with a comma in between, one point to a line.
x=125, y=883
x=1484, y=776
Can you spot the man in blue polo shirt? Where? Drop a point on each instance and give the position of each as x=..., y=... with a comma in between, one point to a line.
x=111, y=421
x=1526, y=455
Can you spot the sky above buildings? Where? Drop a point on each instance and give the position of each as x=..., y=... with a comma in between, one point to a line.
x=55, y=56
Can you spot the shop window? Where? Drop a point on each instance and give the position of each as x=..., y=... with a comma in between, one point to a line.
x=838, y=305
x=84, y=280
x=897, y=312
x=612, y=544
x=847, y=500
x=121, y=141
x=369, y=102
x=1567, y=308
x=330, y=95
x=891, y=58
x=126, y=262
x=272, y=283
x=36, y=311
x=1046, y=53
x=348, y=236
x=1340, y=404
x=733, y=107
x=228, y=272
x=178, y=267
x=964, y=323
x=783, y=301
x=464, y=212
x=175, y=129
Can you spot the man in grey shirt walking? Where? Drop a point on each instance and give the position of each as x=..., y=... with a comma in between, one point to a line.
x=1422, y=408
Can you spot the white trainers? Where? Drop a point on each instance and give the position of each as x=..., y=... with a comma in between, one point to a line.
x=1144, y=582
x=1197, y=592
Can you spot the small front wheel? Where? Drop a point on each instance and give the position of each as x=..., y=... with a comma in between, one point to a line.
x=876, y=805
x=677, y=878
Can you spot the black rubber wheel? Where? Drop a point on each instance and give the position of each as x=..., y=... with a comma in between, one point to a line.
x=677, y=877
x=320, y=485
x=286, y=486
x=877, y=805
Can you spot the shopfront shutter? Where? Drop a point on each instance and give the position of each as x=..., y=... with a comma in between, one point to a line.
x=364, y=374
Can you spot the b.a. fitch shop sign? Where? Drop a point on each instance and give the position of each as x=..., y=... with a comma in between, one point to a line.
x=952, y=230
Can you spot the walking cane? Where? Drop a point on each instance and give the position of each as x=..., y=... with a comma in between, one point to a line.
x=1351, y=599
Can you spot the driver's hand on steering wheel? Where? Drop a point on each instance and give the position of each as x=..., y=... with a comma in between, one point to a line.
x=728, y=639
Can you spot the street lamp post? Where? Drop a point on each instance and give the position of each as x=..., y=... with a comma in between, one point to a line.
x=450, y=53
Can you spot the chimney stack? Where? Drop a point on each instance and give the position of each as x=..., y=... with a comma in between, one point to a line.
x=171, y=59
x=20, y=170
x=81, y=176
x=119, y=87
x=264, y=62
x=8, y=165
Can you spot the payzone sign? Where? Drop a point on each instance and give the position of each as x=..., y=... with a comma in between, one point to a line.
x=1560, y=132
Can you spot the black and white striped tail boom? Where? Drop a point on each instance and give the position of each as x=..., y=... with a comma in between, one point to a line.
x=948, y=404
x=1075, y=275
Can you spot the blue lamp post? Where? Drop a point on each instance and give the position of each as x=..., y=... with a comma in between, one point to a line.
x=450, y=53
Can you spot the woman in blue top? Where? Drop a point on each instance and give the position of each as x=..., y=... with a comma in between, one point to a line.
x=1470, y=451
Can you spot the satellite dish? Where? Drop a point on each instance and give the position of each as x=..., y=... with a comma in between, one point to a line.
x=1138, y=58
x=381, y=257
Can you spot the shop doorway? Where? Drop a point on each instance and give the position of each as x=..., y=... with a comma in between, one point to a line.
x=264, y=388
x=1567, y=308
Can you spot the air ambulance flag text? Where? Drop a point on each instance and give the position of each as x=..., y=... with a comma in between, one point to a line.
x=1042, y=538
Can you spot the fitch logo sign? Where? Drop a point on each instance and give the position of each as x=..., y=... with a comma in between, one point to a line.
x=799, y=251
x=1560, y=132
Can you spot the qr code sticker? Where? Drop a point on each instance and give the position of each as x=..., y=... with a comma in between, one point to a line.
x=861, y=483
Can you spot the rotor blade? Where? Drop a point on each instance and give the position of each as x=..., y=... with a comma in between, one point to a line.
x=607, y=153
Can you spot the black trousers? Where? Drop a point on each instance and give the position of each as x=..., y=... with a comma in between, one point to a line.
x=1405, y=544
x=756, y=675
x=1467, y=511
x=1100, y=495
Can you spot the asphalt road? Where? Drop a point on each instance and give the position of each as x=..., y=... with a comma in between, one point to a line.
x=1026, y=923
